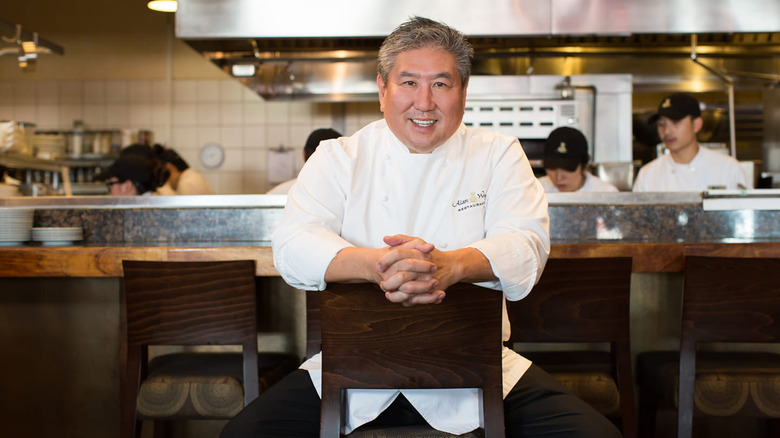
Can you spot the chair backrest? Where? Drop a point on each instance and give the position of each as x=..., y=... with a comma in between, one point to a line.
x=576, y=300
x=725, y=299
x=369, y=342
x=583, y=300
x=728, y=299
x=187, y=303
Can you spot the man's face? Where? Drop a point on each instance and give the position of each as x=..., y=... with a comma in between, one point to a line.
x=423, y=99
x=567, y=181
x=679, y=135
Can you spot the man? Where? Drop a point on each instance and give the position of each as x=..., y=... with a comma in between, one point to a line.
x=183, y=180
x=566, y=164
x=415, y=203
x=688, y=166
x=314, y=139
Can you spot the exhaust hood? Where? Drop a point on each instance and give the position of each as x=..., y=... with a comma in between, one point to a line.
x=326, y=50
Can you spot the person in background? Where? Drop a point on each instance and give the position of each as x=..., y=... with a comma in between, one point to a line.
x=145, y=151
x=133, y=175
x=312, y=142
x=566, y=162
x=688, y=166
x=183, y=180
x=416, y=202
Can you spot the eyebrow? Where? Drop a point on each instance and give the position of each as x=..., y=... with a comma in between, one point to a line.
x=408, y=74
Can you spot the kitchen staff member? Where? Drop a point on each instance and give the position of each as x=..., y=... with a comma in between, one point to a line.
x=417, y=202
x=566, y=164
x=183, y=180
x=688, y=166
x=145, y=151
x=132, y=175
x=316, y=136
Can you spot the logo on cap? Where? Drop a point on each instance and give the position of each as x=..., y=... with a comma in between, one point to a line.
x=562, y=148
x=666, y=103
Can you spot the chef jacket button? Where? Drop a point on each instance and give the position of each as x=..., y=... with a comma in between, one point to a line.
x=443, y=244
x=385, y=198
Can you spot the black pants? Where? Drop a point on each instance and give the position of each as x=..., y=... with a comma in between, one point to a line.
x=538, y=406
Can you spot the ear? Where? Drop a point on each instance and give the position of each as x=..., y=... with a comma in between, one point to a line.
x=382, y=90
x=698, y=122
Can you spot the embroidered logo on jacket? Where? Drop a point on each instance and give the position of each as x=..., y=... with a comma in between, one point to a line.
x=475, y=199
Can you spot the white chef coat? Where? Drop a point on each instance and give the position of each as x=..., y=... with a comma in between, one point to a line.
x=592, y=184
x=708, y=169
x=475, y=190
x=193, y=183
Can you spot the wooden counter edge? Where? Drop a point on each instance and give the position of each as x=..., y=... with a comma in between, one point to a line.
x=88, y=261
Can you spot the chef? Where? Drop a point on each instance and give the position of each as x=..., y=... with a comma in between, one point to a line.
x=415, y=203
x=183, y=180
x=566, y=162
x=688, y=166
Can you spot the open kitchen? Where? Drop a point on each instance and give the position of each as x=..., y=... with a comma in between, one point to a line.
x=235, y=87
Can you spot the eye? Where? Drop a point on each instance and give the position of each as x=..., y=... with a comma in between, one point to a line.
x=408, y=83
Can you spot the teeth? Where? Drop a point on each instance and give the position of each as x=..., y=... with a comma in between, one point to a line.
x=424, y=122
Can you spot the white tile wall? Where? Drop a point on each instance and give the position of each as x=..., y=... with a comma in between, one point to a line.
x=186, y=115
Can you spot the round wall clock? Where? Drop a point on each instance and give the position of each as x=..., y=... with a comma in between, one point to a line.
x=212, y=155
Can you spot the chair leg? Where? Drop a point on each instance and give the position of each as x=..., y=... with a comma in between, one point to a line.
x=130, y=427
x=493, y=412
x=330, y=414
x=648, y=409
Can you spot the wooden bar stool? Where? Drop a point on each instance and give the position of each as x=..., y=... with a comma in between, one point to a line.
x=188, y=304
x=583, y=301
x=728, y=300
x=369, y=342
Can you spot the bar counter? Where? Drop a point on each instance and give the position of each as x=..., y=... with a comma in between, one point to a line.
x=60, y=309
x=105, y=260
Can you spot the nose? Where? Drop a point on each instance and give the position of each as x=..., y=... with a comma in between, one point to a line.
x=423, y=99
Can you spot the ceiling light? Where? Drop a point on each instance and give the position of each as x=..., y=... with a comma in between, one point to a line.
x=162, y=5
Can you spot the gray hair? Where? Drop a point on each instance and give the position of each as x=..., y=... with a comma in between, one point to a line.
x=420, y=33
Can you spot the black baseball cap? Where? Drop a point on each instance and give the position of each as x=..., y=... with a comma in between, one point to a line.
x=676, y=106
x=565, y=148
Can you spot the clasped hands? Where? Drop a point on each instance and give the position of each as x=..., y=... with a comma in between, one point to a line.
x=411, y=271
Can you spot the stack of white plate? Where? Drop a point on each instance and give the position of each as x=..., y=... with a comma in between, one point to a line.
x=15, y=225
x=57, y=236
x=48, y=145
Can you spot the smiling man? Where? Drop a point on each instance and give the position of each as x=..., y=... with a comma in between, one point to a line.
x=687, y=166
x=417, y=202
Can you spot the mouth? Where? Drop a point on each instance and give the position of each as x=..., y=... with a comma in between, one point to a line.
x=424, y=123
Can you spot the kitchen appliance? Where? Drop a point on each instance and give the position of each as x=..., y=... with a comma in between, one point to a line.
x=530, y=107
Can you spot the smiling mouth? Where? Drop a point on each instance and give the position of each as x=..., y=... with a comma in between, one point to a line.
x=423, y=123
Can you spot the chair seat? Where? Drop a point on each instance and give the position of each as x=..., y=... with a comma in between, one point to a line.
x=587, y=374
x=727, y=383
x=204, y=385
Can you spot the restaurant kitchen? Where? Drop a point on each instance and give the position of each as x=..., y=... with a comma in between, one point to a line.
x=127, y=68
x=141, y=73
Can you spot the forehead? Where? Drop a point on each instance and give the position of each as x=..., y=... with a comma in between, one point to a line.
x=425, y=61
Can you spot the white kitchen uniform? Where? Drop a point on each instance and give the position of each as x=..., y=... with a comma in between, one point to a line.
x=708, y=169
x=475, y=190
x=193, y=183
x=592, y=184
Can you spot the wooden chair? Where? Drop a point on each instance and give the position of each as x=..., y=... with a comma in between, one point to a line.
x=187, y=304
x=583, y=301
x=725, y=299
x=369, y=342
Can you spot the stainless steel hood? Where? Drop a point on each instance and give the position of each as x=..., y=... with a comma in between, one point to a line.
x=326, y=50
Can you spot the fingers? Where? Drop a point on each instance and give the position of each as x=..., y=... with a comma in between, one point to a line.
x=404, y=260
x=407, y=300
x=408, y=242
